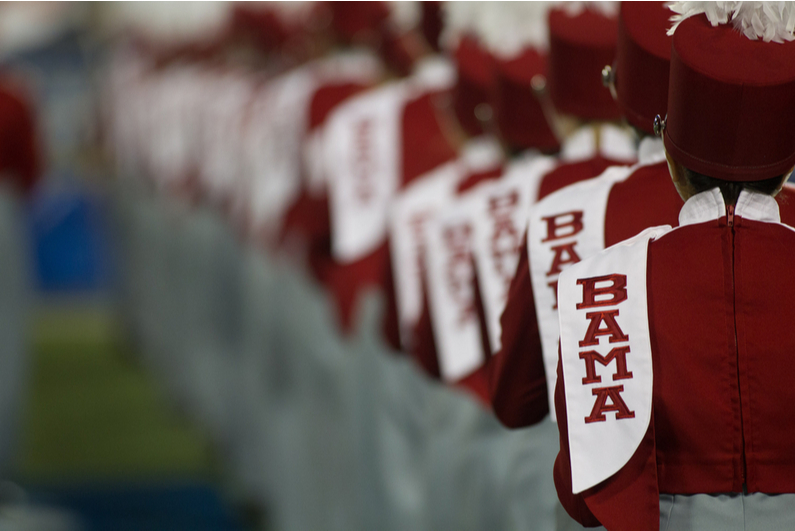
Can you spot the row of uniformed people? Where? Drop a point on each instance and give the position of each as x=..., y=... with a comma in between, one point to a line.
x=438, y=189
x=393, y=135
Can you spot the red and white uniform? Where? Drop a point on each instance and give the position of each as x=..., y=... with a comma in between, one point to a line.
x=488, y=222
x=374, y=145
x=716, y=286
x=414, y=210
x=20, y=159
x=568, y=226
x=286, y=191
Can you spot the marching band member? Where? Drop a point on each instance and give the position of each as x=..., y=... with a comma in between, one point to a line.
x=672, y=398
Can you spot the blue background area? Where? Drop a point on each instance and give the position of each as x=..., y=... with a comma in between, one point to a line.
x=160, y=507
x=69, y=239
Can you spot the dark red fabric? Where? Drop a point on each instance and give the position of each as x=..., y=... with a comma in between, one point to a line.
x=263, y=25
x=723, y=420
x=327, y=97
x=477, y=384
x=645, y=199
x=308, y=217
x=628, y=501
x=424, y=148
x=643, y=58
x=423, y=347
x=729, y=409
x=573, y=172
x=474, y=84
x=579, y=47
x=424, y=351
x=20, y=157
x=432, y=24
x=355, y=21
x=391, y=323
x=517, y=382
x=346, y=282
x=474, y=179
x=518, y=113
x=425, y=145
x=731, y=109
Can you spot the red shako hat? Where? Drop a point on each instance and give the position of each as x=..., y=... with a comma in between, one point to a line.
x=474, y=82
x=643, y=59
x=580, y=45
x=731, y=101
x=350, y=20
x=518, y=113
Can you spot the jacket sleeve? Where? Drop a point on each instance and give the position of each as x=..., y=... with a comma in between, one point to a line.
x=517, y=382
x=573, y=503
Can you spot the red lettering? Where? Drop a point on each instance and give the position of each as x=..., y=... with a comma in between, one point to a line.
x=564, y=254
x=619, y=354
x=617, y=290
x=616, y=404
x=364, y=161
x=611, y=328
x=554, y=286
x=459, y=268
x=501, y=206
x=571, y=221
x=505, y=240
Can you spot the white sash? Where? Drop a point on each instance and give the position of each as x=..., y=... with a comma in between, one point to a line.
x=607, y=358
x=499, y=217
x=564, y=228
x=363, y=146
x=451, y=297
x=222, y=164
x=410, y=216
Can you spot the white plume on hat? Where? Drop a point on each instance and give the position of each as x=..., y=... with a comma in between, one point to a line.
x=769, y=21
x=405, y=16
x=608, y=9
x=509, y=27
x=506, y=28
x=459, y=19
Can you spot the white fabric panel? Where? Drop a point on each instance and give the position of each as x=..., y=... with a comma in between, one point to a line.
x=566, y=226
x=500, y=217
x=600, y=444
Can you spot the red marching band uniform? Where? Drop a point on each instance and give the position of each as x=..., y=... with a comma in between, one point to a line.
x=497, y=208
x=677, y=342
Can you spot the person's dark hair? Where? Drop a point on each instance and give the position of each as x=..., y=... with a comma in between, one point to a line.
x=731, y=189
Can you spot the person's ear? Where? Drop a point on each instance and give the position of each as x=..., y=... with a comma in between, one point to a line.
x=677, y=171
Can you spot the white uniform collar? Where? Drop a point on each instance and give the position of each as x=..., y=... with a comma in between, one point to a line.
x=651, y=150
x=615, y=143
x=709, y=205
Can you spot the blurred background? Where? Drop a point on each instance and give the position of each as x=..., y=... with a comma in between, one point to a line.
x=171, y=356
x=89, y=440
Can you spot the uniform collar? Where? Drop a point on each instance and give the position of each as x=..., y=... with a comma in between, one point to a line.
x=709, y=205
x=651, y=150
x=615, y=143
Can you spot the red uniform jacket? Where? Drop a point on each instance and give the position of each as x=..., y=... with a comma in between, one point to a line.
x=720, y=311
x=518, y=389
x=424, y=345
x=19, y=154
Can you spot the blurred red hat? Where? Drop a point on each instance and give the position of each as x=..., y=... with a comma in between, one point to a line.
x=581, y=43
x=643, y=59
x=731, y=100
x=351, y=21
x=518, y=113
x=474, y=83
